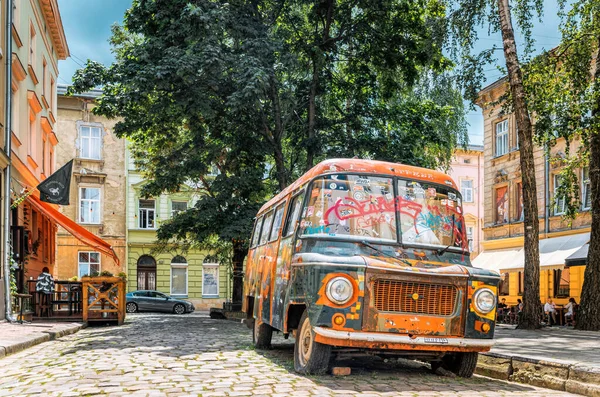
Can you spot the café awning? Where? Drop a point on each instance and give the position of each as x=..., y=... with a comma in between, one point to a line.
x=553, y=253
x=579, y=257
x=78, y=231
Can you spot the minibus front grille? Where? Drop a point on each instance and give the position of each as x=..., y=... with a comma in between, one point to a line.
x=413, y=297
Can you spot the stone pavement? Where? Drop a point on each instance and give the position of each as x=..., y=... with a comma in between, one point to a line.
x=16, y=337
x=560, y=358
x=156, y=355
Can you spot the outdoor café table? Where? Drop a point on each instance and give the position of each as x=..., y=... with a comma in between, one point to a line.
x=560, y=315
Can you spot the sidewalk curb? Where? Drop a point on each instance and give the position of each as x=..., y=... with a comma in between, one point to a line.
x=572, y=378
x=45, y=336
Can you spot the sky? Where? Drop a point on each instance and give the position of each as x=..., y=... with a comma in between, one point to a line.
x=87, y=25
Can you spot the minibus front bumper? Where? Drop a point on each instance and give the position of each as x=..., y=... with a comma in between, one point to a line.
x=379, y=340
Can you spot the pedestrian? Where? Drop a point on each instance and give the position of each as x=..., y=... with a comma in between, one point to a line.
x=44, y=288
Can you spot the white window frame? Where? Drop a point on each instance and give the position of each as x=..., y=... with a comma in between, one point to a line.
x=81, y=221
x=175, y=212
x=464, y=190
x=470, y=230
x=89, y=263
x=501, y=138
x=187, y=279
x=585, y=188
x=559, y=205
x=147, y=210
x=214, y=266
x=90, y=140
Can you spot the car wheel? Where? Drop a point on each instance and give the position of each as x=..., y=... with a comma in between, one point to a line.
x=178, y=309
x=131, y=307
x=310, y=356
x=261, y=335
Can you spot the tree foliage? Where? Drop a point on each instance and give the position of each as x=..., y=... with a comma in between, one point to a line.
x=260, y=90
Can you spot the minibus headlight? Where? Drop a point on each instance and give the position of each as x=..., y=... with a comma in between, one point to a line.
x=485, y=300
x=339, y=290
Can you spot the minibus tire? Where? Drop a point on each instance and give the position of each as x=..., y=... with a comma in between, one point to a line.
x=462, y=364
x=313, y=359
x=261, y=335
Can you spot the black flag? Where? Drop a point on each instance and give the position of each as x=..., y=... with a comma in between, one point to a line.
x=56, y=188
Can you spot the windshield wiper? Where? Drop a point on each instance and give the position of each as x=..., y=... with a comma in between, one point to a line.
x=441, y=251
x=385, y=253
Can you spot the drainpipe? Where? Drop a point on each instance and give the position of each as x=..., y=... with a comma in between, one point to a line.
x=546, y=191
x=7, y=150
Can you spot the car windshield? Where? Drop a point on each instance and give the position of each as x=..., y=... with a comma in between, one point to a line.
x=351, y=206
x=364, y=208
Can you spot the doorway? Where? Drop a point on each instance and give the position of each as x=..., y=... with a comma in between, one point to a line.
x=146, y=273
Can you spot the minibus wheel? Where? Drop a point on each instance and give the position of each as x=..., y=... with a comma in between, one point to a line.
x=310, y=356
x=262, y=334
x=462, y=364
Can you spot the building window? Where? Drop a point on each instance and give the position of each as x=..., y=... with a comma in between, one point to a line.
x=466, y=161
x=562, y=279
x=51, y=94
x=44, y=156
x=32, y=133
x=89, y=263
x=521, y=283
x=559, y=203
x=177, y=207
x=502, y=204
x=504, y=287
x=90, y=142
x=179, y=276
x=502, y=138
x=44, y=79
x=210, y=277
x=146, y=214
x=89, y=205
x=466, y=189
x=15, y=114
x=32, y=50
x=519, y=207
x=586, y=194
x=470, y=237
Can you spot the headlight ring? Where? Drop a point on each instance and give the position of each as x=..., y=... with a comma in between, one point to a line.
x=339, y=290
x=484, y=300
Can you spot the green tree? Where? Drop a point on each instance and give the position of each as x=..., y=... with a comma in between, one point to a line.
x=237, y=86
x=565, y=95
x=467, y=16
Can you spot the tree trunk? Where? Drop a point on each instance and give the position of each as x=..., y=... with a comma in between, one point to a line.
x=280, y=167
x=588, y=314
x=531, y=291
x=310, y=142
x=239, y=253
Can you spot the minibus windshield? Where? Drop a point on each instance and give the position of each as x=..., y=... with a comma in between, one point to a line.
x=363, y=207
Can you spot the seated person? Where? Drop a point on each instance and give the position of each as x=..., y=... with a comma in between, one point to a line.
x=502, y=309
x=550, y=311
x=570, y=307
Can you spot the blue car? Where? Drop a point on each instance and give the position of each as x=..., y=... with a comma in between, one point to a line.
x=154, y=301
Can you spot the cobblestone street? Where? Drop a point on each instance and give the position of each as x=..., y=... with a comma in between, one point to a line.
x=194, y=355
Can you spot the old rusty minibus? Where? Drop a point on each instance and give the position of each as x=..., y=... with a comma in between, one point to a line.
x=368, y=255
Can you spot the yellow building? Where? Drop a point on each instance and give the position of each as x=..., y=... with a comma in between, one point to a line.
x=193, y=275
x=97, y=197
x=503, y=210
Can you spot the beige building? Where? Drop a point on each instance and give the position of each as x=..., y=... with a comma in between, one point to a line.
x=560, y=240
x=97, y=198
x=466, y=170
x=38, y=43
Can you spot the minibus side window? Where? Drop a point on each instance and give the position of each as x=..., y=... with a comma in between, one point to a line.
x=256, y=232
x=277, y=222
x=264, y=235
x=292, y=220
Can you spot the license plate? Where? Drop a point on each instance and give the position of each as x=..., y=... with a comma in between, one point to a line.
x=440, y=341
